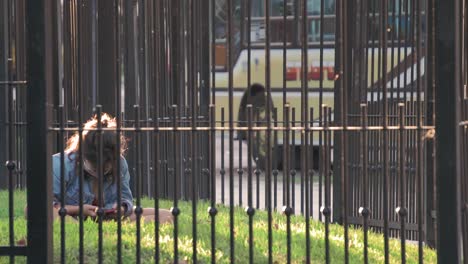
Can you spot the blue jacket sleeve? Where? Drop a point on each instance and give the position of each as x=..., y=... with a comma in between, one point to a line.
x=56, y=165
x=127, y=198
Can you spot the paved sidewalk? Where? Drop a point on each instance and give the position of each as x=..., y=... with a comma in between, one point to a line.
x=240, y=186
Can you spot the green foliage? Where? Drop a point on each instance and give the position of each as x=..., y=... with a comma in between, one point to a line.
x=203, y=224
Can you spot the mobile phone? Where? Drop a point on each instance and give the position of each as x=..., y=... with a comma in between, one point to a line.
x=110, y=211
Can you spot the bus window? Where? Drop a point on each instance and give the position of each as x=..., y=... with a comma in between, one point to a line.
x=279, y=26
x=221, y=31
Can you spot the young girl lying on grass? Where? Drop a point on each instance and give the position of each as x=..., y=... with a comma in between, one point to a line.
x=90, y=151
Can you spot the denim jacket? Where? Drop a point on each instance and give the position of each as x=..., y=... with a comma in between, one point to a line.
x=72, y=184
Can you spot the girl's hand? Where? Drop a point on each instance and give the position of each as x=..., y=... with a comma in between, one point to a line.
x=122, y=209
x=89, y=210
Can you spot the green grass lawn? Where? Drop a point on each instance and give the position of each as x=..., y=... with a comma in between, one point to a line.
x=317, y=232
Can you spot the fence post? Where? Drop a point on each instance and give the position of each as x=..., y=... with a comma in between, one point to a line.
x=40, y=79
x=3, y=92
x=448, y=69
x=343, y=65
x=431, y=201
x=337, y=144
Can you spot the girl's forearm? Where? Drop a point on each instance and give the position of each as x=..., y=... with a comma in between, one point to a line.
x=72, y=209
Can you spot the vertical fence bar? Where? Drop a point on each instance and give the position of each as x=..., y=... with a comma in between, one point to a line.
x=464, y=167
x=364, y=210
x=240, y=170
x=447, y=118
x=250, y=209
x=304, y=175
x=21, y=75
x=285, y=100
x=62, y=211
x=412, y=179
x=401, y=210
x=160, y=63
x=257, y=169
x=306, y=44
x=413, y=42
x=287, y=207
x=118, y=119
x=307, y=176
x=136, y=58
x=363, y=48
x=212, y=210
x=79, y=85
x=269, y=128
x=321, y=40
x=117, y=102
x=339, y=74
x=292, y=167
x=3, y=91
x=311, y=170
x=94, y=50
x=40, y=80
x=13, y=130
x=249, y=44
x=328, y=164
x=230, y=32
x=381, y=31
x=430, y=145
x=391, y=30
x=464, y=136
x=304, y=112
x=419, y=173
x=166, y=109
x=213, y=52
x=406, y=43
x=372, y=8
x=385, y=132
x=325, y=210
x=275, y=160
x=399, y=61
x=202, y=49
x=346, y=34
x=305, y=61
x=146, y=51
x=175, y=210
x=285, y=58
x=359, y=95
x=138, y=208
x=193, y=89
x=249, y=83
x=11, y=165
x=100, y=165
x=321, y=160
x=222, y=170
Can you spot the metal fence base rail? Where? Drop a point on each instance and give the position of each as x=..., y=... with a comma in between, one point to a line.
x=341, y=112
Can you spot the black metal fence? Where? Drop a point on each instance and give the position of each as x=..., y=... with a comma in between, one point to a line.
x=13, y=112
x=463, y=126
x=464, y=184
x=323, y=109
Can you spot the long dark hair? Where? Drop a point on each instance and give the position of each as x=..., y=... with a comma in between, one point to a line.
x=90, y=142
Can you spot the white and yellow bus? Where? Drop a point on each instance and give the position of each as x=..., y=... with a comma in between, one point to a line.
x=318, y=92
